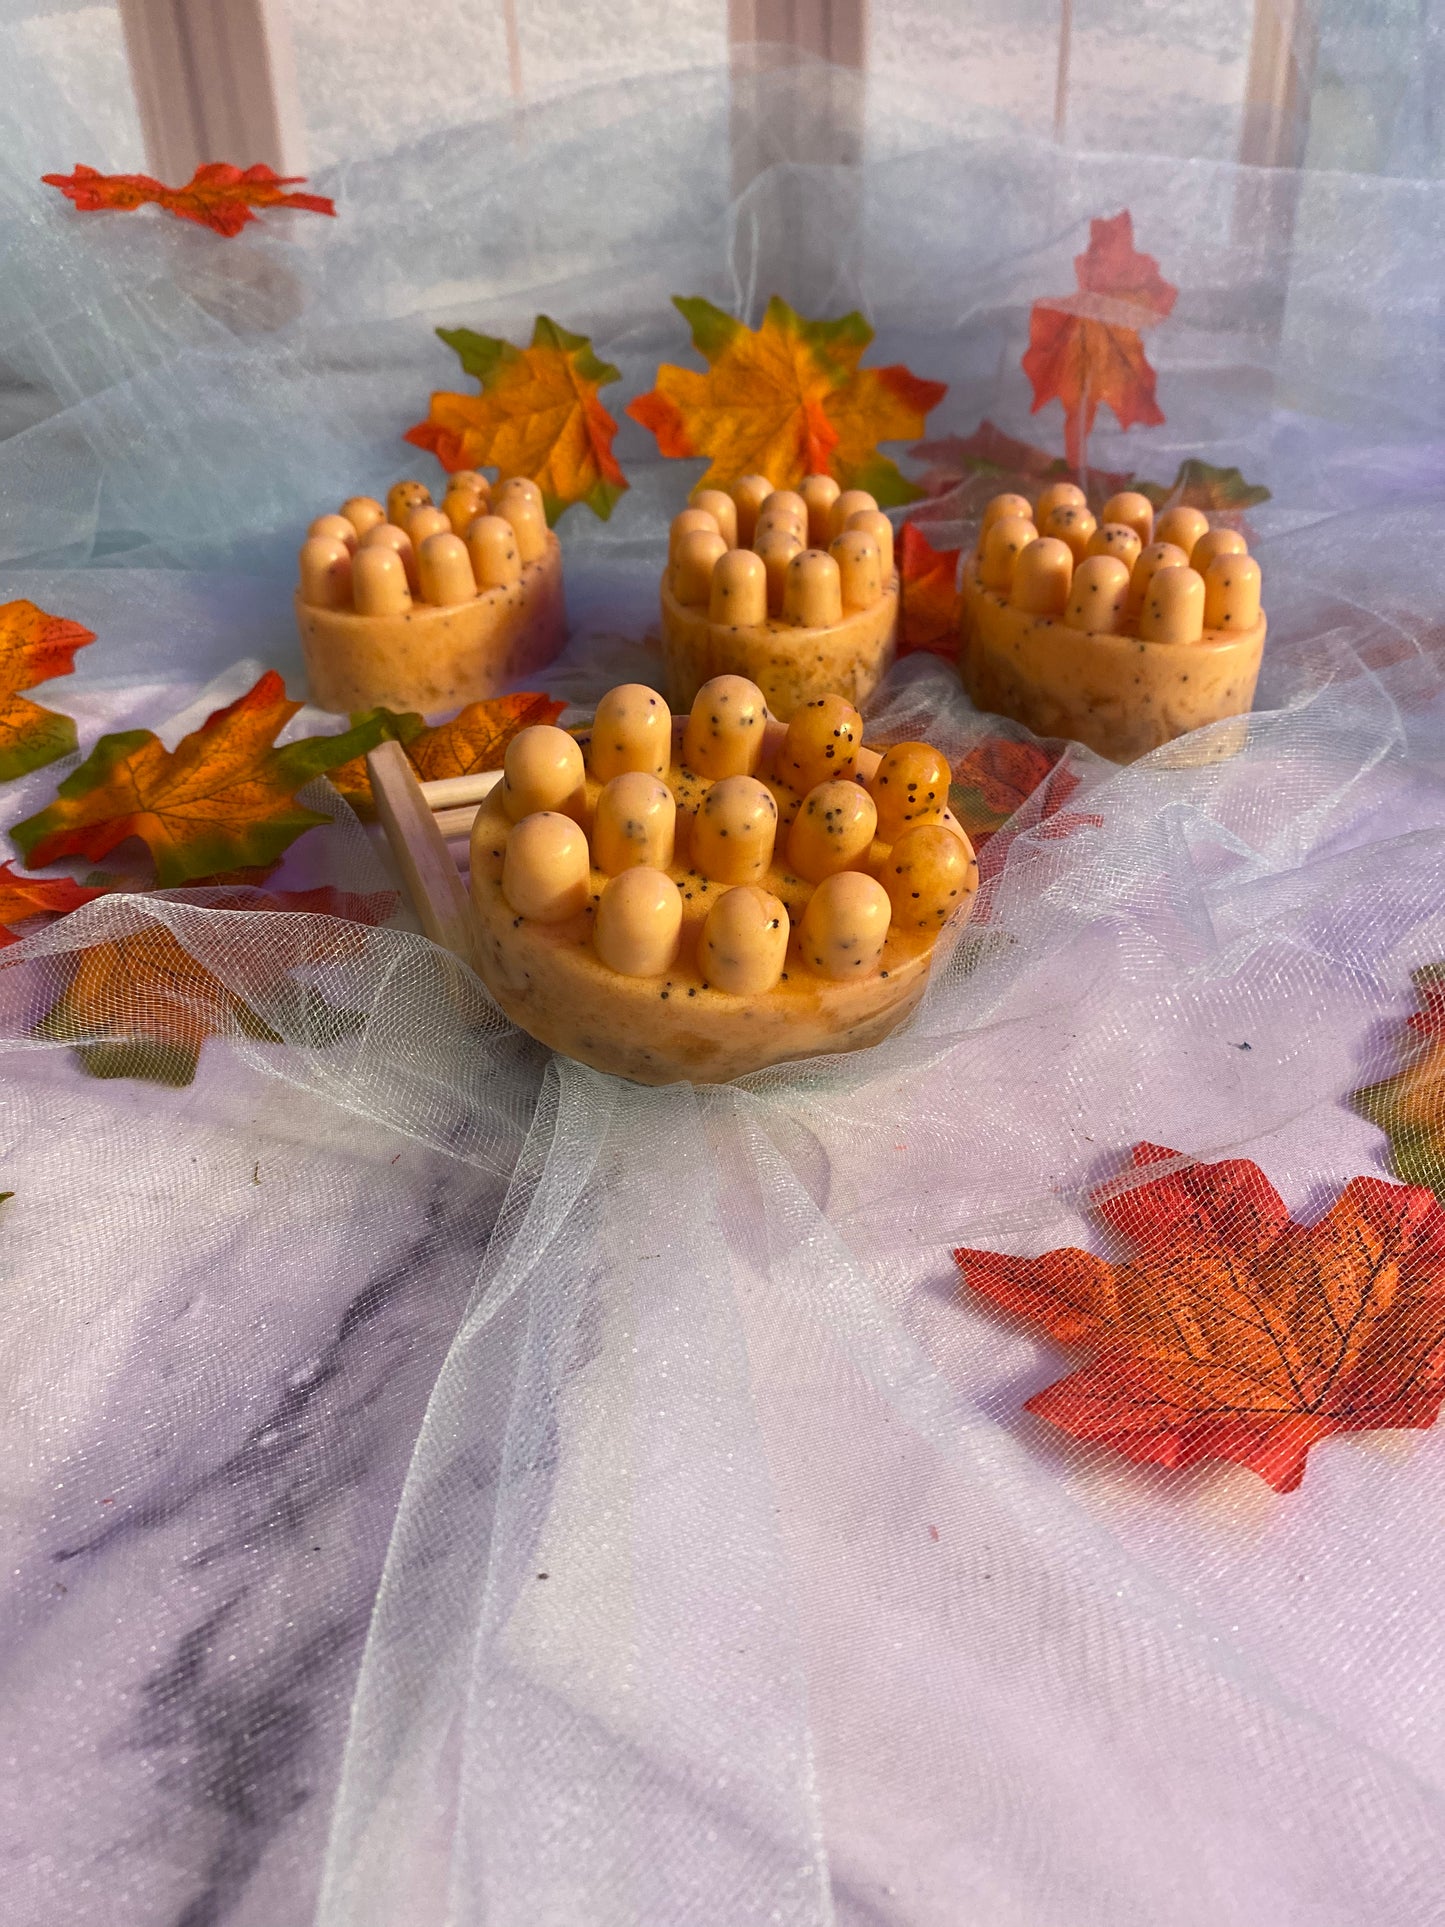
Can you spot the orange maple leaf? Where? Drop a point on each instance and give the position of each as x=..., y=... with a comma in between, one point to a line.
x=1085, y=348
x=1231, y=1332
x=223, y=800
x=33, y=648
x=537, y=416
x=786, y=400
x=928, y=581
x=475, y=739
x=217, y=196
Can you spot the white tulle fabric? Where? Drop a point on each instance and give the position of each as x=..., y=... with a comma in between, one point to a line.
x=728, y=1582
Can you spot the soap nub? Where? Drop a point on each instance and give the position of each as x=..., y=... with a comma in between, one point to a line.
x=745, y=942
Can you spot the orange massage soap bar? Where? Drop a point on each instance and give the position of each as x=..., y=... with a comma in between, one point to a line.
x=1121, y=633
x=698, y=897
x=426, y=607
x=795, y=590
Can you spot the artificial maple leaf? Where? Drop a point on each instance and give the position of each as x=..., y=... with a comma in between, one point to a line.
x=33, y=648
x=786, y=400
x=928, y=587
x=1200, y=485
x=537, y=416
x=217, y=196
x=996, y=778
x=223, y=800
x=1231, y=1332
x=1085, y=349
x=140, y=1005
x=968, y=470
x=962, y=472
x=475, y=739
x=993, y=782
x=23, y=898
x=1410, y=1106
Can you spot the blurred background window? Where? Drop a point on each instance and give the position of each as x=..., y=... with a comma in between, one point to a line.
x=311, y=84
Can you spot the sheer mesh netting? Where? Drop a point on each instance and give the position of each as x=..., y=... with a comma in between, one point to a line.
x=445, y=1485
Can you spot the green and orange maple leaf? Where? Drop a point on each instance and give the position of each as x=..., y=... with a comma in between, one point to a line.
x=34, y=647
x=1410, y=1106
x=218, y=196
x=141, y=1005
x=537, y=416
x=223, y=800
x=1201, y=485
x=475, y=739
x=785, y=400
x=1086, y=349
x=1230, y=1331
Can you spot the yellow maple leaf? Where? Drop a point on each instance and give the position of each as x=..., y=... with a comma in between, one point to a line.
x=787, y=400
x=537, y=416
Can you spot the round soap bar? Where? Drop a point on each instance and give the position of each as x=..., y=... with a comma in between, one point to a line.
x=693, y=963
x=442, y=606
x=1123, y=635
x=793, y=589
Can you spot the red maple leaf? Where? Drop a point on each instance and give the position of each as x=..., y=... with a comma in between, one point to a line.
x=217, y=196
x=1230, y=1331
x=928, y=585
x=1085, y=349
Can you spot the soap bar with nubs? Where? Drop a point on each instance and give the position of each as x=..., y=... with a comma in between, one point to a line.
x=1122, y=632
x=793, y=589
x=719, y=892
x=421, y=607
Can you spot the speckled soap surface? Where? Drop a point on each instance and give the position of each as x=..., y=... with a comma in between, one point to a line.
x=793, y=589
x=421, y=607
x=1123, y=632
x=719, y=893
